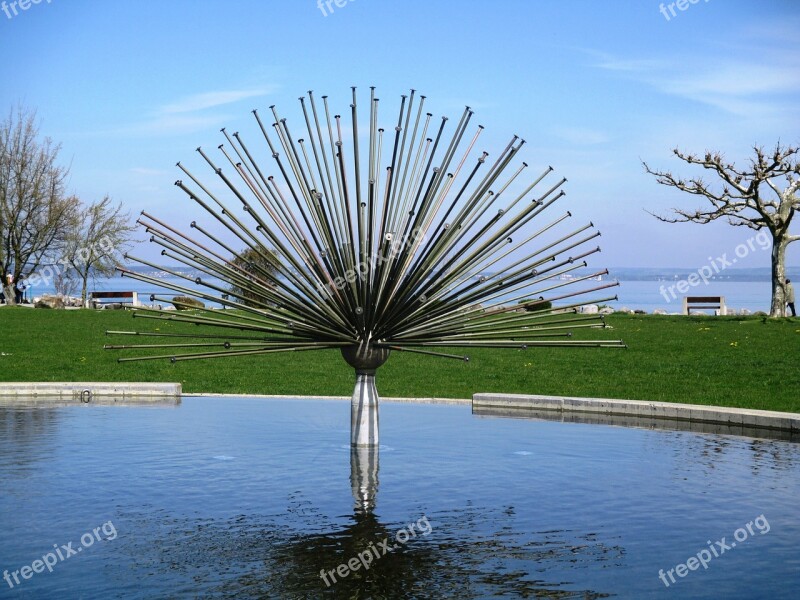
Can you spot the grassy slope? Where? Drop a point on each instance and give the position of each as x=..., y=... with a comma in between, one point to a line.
x=744, y=362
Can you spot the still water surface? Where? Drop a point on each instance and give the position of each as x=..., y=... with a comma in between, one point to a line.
x=253, y=498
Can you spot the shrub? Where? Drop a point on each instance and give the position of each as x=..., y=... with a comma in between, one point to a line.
x=540, y=304
x=186, y=303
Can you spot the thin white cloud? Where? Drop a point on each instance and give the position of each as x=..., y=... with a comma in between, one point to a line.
x=199, y=112
x=739, y=87
x=737, y=80
x=176, y=124
x=206, y=100
x=629, y=65
x=147, y=171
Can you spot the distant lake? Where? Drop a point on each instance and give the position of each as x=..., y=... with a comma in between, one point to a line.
x=640, y=288
x=647, y=296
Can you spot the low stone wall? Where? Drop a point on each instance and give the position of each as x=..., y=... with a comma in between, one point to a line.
x=656, y=411
x=86, y=392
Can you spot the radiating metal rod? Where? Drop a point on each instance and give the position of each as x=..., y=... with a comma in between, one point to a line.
x=222, y=354
x=426, y=352
x=205, y=335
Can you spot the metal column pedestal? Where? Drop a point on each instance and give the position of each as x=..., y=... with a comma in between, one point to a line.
x=365, y=360
x=364, y=411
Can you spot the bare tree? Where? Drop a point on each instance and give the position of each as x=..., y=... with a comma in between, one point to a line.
x=760, y=196
x=35, y=212
x=65, y=282
x=100, y=232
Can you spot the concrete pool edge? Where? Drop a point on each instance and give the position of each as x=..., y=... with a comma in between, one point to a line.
x=432, y=400
x=87, y=391
x=661, y=411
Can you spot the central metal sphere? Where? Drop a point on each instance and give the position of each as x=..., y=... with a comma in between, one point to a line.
x=365, y=357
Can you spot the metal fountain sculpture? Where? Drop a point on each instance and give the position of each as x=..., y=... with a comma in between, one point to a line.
x=441, y=249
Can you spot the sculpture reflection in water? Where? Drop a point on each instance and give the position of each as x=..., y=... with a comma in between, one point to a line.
x=472, y=552
x=364, y=477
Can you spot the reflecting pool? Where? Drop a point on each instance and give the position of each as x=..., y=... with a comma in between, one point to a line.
x=259, y=498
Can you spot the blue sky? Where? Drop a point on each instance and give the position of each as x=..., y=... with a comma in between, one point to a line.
x=129, y=88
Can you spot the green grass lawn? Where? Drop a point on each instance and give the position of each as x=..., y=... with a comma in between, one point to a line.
x=727, y=361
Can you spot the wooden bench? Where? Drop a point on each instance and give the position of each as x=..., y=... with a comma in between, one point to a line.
x=715, y=303
x=99, y=298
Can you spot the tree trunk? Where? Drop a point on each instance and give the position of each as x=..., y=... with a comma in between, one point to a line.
x=778, y=308
x=10, y=293
x=84, y=301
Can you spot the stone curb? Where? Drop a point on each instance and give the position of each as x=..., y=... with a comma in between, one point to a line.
x=97, y=390
x=735, y=417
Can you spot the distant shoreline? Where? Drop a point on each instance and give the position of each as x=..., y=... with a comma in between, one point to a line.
x=641, y=288
x=756, y=274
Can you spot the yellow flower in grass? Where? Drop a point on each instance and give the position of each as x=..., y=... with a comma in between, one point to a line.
x=735, y=344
